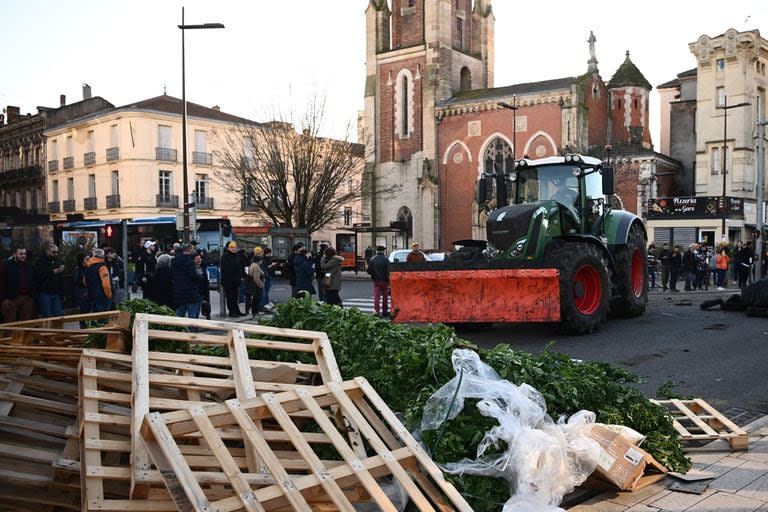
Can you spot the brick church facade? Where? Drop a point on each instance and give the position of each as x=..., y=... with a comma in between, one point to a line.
x=433, y=117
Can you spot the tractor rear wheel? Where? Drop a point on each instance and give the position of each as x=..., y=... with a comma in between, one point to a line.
x=583, y=286
x=630, y=292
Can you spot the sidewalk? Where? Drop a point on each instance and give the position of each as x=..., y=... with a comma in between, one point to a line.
x=741, y=484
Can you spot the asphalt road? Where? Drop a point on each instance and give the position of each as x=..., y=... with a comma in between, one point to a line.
x=719, y=356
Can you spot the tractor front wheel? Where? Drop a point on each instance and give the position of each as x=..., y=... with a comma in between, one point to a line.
x=583, y=286
x=630, y=292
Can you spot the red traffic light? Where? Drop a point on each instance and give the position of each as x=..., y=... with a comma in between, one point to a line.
x=108, y=231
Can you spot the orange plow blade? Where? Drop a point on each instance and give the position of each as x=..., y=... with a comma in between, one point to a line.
x=493, y=295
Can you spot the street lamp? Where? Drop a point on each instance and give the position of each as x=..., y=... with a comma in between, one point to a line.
x=185, y=198
x=760, y=197
x=725, y=107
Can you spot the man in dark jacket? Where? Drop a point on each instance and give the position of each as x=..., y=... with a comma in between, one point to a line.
x=689, y=266
x=186, y=293
x=17, y=287
x=48, y=283
x=146, y=263
x=289, y=267
x=676, y=267
x=319, y=272
x=116, y=267
x=98, y=283
x=379, y=271
x=232, y=274
x=665, y=258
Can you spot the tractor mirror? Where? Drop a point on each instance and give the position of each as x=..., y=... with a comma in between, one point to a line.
x=607, y=172
x=482, y=190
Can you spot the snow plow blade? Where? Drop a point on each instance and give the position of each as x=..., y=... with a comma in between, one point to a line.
x=476, y=296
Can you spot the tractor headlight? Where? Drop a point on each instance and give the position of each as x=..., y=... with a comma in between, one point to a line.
x=577, y=171
x=517, y=250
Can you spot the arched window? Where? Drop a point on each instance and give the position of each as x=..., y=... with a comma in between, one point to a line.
x=403, y=97
x=497, y=158
x=404, y=215
x=404, y=128
x=466, y=79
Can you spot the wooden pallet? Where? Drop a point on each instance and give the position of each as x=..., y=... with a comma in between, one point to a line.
x=38, y=418
x=308, y=465
x=115, y=472
x=696, y=420
x=52, y=331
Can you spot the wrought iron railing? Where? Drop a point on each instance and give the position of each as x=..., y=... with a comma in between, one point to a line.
x=113, y=154
x=53, y=165
x=54, y=207
x=204, y=203
x=113, y=201
x=164, y=201
x=69, y=205
x=89, y=158
x=69, y=162
x=165, y=154
x=202, y=158
x=247, y=205
x=90, y=203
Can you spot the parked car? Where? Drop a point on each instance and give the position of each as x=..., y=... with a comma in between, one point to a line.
x=401, y=254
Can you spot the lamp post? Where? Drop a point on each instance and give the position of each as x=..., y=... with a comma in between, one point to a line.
x=725, y=107
x=185, y=198
x=760, y=197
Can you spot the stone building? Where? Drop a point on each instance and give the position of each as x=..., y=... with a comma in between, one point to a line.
x=23, y=153
x=712, y=113
x=433, y=118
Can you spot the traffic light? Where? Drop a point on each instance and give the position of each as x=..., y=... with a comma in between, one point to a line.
x=108, y=231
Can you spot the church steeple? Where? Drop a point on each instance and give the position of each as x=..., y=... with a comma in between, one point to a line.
x=592, y=62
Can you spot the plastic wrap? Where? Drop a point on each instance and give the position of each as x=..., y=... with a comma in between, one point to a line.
x=543, y=460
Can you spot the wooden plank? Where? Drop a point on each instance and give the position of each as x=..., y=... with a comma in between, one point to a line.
x=286, y=423
x=252, y=433
x=90, y=489
x=399, y=429
x=380, y=447
x=140, y=403
x=179, y=480
x=231, y=469
x=14, y=388
x=349, y=456
x=244, y=389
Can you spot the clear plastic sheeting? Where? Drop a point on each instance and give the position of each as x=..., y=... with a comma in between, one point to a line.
x=542, y=460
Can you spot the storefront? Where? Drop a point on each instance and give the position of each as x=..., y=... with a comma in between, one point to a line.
x=692, y=219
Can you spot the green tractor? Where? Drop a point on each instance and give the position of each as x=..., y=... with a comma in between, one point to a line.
x=556, y=252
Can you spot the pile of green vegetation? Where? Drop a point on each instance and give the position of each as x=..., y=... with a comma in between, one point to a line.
x=406, y=365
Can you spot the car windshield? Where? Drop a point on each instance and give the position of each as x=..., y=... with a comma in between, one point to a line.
x=551, y=182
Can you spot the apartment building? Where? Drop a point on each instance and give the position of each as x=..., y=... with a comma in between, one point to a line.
x=126, y=162
x=711, y=115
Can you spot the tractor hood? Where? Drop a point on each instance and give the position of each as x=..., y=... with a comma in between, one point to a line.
x=508, y=224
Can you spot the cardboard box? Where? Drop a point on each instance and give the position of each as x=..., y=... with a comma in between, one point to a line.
x=622, y=464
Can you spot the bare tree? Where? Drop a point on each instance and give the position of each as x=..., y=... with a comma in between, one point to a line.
x=295, y=179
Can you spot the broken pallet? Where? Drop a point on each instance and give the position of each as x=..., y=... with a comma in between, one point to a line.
x=696, y=420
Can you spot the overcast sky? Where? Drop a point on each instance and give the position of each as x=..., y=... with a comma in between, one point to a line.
x=274, y=55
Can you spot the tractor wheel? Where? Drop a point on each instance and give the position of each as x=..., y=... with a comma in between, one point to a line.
x=583, y=286
x=630, y=292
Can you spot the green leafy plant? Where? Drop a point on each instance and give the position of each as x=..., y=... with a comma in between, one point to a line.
x=406, y=365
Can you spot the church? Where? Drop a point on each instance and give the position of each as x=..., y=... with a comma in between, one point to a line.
x=434, y=117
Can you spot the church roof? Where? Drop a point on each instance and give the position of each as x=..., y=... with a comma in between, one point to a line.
x=174, y=105
x=509, y=90
x=628, y=75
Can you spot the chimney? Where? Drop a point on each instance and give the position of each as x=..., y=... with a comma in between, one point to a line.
x=62, y=100
x=12, y=113
x=86, y=92
x=216, y=108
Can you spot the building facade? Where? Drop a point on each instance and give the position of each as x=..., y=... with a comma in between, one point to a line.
x=434, y=118
x=713, y=111
x=23, y=150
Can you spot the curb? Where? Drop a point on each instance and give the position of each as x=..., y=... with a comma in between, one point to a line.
x=756, y=425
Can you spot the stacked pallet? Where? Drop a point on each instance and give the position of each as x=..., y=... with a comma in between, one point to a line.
x=224, y=417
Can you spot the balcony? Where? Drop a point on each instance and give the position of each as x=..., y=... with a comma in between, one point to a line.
x=204, y=203
x=164, y=201
x=113, y=154
x=69, y=205
x=202, y=158
x=165, y=154
x=53, y=165
x=113, y=201
x=247, y=205
x=90, y=203
x=54, y=207
x=22, y=176
x=89, y=159
x=69, y=162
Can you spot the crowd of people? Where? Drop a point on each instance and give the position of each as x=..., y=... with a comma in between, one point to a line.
x=698, y=266
x=36, y=289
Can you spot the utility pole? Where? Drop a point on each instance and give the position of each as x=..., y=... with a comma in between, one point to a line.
x=760, y=178
x=725, y=107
